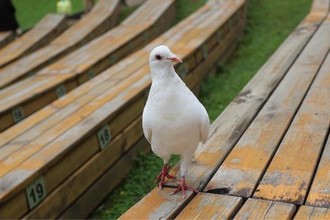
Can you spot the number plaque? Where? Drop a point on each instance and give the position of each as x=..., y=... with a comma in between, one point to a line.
x=36, y=192
x=104, y=136
x=60, y=91
x=18, y=114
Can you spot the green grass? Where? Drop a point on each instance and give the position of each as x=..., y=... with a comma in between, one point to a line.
x=269, y=22
x=29, y=12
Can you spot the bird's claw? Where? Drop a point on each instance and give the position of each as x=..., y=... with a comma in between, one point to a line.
x=183, y=188
x=161, y=177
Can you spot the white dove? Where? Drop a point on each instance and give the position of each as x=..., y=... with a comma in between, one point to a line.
x=174, y=121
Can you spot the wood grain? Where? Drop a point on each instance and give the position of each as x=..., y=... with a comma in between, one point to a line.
x=289, y=174
x=211, y=206
x=158, y=204
x=95, y=194
x=312, y=213
x=103, y=17
x=263, y=209
x=6, y=37
x=319, y=191
x=45, y=31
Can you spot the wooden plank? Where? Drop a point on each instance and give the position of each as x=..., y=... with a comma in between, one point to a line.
x=103, y=16
x=242, y=169
x=6, y=37
x=45, y=31
x=158, y=204
x=264, y=209
x=231, y=124
x=211, y=206
x=290, y=172
x=77, y=183
x=319, y=194
x=312, y=213
x=320, y=7
x=95, y=194
x=85, y=30
x=28, y=65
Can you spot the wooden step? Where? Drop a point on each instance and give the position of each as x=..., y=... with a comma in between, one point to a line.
x=6, y=37
x=103, y=17
x=40, y=35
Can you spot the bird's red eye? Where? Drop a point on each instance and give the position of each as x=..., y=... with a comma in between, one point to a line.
x=158, y=57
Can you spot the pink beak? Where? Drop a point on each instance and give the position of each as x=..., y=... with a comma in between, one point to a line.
x=175, y=59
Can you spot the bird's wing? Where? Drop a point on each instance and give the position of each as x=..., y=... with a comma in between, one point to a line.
x=146, y=128
x=205, y=127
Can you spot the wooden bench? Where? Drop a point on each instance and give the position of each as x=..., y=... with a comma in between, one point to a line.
x=60, y=161
x=45, y=31
x=74, y=69
x=6, y=37
x=268, y=152
x=103, y=17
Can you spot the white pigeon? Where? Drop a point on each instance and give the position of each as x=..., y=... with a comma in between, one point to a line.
x=174, y=121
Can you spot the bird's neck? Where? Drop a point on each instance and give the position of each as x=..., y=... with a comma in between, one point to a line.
x=160, y=74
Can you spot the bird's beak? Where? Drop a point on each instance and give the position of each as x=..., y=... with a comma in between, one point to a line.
x=174, y=59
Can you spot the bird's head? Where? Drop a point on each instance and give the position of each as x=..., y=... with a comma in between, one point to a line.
x=162, y=57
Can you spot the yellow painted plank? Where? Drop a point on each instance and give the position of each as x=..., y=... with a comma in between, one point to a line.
x=264, y=209
x=6, y=37
x=158, y=204
x=319, y=193
x=312, y=213
x=101, y=187
x=241, y=170
x=46, y=30
x=211, y=206
x=291, y=170
x=85, y=28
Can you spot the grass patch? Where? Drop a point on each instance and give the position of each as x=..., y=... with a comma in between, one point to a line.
x=29, y=12
x=268, y=24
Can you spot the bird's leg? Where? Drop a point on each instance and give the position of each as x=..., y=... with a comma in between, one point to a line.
x=183, y=187
x=164, y=173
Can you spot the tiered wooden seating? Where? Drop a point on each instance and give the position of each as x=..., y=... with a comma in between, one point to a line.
x=103, y=16
x=64, y=159
x=267, y=150
x=74, y=69
x=45, y=31
x=6, y=37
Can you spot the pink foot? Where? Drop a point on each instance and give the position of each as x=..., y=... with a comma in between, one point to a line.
x=183, y=187
x=164, y=173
